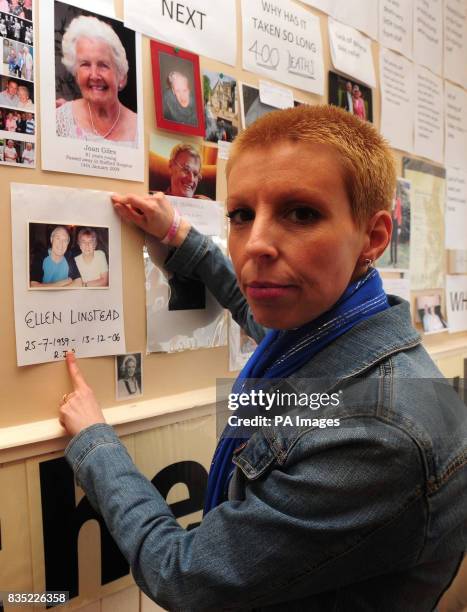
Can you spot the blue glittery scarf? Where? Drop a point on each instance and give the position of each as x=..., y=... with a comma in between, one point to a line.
x=280, y=354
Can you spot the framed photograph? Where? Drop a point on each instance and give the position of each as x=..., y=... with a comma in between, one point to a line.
x=16, y=93
x=177, y=89
x=429, y=313
x=251, y=106
x=64, y=256
x=352, y=95
x=91, y=93
x=17, y=152
x=397, y=254
x=128, y=376
x=181, y=168
x=220, y=106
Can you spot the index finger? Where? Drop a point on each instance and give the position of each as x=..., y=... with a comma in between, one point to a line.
x=77, y=378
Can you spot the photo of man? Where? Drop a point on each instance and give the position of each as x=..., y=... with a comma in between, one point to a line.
x=182, y=169
x=52, y=268
x=355, y=97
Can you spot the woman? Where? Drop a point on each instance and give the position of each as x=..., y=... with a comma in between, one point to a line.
x=358, y=103
x=354, y=512
x=92, y=263
x=28, y=157
x=24, y=101
x=10, y=154
x=128, y=383
x=94, y=55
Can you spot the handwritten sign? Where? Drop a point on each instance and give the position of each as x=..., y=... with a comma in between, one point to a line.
x=455, y=41
x=283, y=42
x=456, y=302
x=428, y=34
x=50, y=321
x=204, y=27
x=273, y=95
x=206, y=215
x=397, y=99
x=429, y=115
x=351, y=52
x=456, y=125
x=456, y=210
x=396, y=25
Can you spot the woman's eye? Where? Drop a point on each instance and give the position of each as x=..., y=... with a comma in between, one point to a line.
x=240, y=215
x=302, y=214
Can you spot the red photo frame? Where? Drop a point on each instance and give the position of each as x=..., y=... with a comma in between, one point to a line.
x=177, y=89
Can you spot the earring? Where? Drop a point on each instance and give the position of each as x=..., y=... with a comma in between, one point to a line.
x=368, y=262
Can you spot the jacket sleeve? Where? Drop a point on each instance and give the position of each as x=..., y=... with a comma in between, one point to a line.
x=306, y=525
x=199, y=258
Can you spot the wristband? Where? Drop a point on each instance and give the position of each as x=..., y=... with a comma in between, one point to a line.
x=173, y=229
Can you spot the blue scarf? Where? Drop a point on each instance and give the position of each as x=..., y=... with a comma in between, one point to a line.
x=280, y=354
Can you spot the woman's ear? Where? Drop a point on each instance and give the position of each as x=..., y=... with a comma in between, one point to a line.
x=378, y=231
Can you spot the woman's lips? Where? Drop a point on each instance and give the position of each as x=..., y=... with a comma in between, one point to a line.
x=267, y=291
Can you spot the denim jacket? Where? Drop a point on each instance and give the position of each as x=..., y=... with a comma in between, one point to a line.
x=371, y=515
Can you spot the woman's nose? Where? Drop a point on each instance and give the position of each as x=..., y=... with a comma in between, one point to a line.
x=262, y=239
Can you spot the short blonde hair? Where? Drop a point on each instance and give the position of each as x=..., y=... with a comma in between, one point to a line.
x=367, y=162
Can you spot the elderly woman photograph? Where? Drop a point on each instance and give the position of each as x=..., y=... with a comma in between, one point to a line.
x=95, y=56
x=129, y=376
x=92, y=262
x=365, y=510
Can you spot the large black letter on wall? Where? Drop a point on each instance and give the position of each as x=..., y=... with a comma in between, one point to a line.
x=61, y=521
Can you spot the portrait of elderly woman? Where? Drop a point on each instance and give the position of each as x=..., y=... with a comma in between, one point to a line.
x=91, y=80
x=129, y=375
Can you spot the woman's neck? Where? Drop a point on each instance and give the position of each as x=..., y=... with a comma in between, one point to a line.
x=104, y=118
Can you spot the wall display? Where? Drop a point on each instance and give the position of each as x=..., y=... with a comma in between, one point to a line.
x=68, y=237
x=177, y=89
x=182, y=169
x=356, y=98
x=98, y=123
x=251, y=106
x=397, y=99
x=456, y=302
x=428, y=34
x=396, y=25
x=359, y=14
x=429, y=115
x=128, y=376
x=351, y=52
x=429, y=313
x=17, y=75
x=456, y=126
x=282, y=41
x=181, y=313
x=241, y=346
x=455, y=41
x=204, y=27
x=397, y=253
x=220, y=106
x=456, y=210
x=427, y=256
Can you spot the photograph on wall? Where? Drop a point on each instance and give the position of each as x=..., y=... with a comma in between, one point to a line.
x=397, y=253
x=63, y=256
x=61, y=240
x=181, y=315
x=429, y=313
x=128, y=376
x=251, y=106
x=91, y=93
x=427, y=204
x=177, y=89
x=353, y=96
x=17, y=53
x=182, y=168
x=220, y=106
